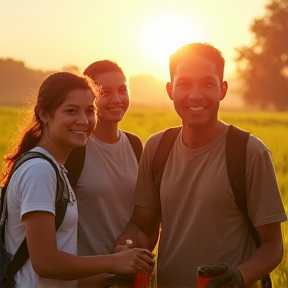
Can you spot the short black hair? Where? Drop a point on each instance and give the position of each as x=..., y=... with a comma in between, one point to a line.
x=204, y=50
x=102, y=66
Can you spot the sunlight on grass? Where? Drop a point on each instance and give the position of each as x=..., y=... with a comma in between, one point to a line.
x=271, y=128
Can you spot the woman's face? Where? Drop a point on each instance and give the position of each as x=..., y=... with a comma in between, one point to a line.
x=73, y=121
x=114, y=100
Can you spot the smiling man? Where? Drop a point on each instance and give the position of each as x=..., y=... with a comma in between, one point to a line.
x=195, y=204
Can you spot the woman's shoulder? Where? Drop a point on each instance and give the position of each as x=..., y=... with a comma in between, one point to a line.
x=38, y=166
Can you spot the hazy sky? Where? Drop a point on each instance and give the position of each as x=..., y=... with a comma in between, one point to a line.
x=138, y=34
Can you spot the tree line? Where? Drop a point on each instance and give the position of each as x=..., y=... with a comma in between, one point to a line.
x=17, y=81
x=262, y=68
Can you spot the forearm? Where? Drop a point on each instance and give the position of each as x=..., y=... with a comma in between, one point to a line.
x=262, y=262
x=65, y=266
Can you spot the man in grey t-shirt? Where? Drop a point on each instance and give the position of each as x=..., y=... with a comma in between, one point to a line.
x=200, y=221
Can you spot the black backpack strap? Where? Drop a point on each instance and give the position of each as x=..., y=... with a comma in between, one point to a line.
x=22, y=254
x=74, y=164
x=162, y=152
x=75, y=161
x=236, y=163
x=136, y=144
x=236, y=144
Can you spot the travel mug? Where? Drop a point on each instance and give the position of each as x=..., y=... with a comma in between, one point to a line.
x=203, y=277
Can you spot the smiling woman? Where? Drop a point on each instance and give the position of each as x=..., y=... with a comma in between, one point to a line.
x=161, y=36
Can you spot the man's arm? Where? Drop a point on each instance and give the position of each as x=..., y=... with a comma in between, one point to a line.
x=263, y=261
x=142, y=229
x=267, y=257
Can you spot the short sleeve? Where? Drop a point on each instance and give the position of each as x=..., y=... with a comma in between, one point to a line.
x=36, y=185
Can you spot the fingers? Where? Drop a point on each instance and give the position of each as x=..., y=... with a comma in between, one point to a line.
x=212, y=270
x=226, y=275
x=124, y=244
x=120, y=248
x=129, y=242
x=132, y=260
x=219, y=281
x=147, y=260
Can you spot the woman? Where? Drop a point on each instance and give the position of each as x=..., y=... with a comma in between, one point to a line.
x=64, y=118
x=107, y=180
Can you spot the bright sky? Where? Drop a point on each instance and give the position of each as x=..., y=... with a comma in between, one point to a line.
x=138, y=34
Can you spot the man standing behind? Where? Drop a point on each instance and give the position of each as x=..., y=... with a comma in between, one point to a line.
x=200, y=220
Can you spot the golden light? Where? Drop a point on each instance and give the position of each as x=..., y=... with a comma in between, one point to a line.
x=165, y=34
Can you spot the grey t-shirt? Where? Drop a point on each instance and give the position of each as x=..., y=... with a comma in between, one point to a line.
x=200, y=220
x=105, y=194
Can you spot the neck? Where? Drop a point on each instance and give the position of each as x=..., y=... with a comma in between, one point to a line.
x=60, y=154
x=198, y=137
x=107, y=132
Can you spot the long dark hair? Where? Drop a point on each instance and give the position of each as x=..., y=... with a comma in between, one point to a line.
x=51, y=95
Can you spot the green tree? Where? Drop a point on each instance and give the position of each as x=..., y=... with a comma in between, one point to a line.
x=263, y=66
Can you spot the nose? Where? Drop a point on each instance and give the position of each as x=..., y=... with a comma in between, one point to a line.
x=82, y=119
x=116, y=98
x=195, y=92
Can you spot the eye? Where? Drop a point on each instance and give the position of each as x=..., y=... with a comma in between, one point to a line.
x=208, y=84
x=124, y=90
x=104, y=92
x=182, y=84
x=91, y=111
x=71, y=111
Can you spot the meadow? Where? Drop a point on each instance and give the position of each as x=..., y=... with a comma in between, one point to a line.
x=271, y=127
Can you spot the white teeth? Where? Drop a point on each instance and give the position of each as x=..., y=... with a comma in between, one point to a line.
x=115, y=109
x=78, y=132
x=196, y=108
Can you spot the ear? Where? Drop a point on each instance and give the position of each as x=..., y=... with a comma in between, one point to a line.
x=169, y=88
x=44, y=116
x=224, y=88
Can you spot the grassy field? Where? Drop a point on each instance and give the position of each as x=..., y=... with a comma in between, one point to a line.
x=272, y=128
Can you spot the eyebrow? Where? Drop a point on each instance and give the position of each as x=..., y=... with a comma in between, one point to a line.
x=107, y=86
x=75, y=106
x=197, y=78
x=71, y=105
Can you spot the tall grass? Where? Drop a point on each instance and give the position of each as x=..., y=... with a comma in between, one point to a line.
x=271, y=128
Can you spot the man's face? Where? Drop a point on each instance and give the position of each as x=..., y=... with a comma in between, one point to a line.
x=196, y=91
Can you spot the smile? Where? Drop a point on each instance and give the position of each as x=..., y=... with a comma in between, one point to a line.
x=115, y=109
x=78, y=132
x=196, y=108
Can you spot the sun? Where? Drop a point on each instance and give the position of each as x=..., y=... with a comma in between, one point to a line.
x=163, y=35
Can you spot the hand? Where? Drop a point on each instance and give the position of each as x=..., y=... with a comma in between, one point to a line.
x=225, y=275
x=132, y=261
x=122, y=247
x=136, y=239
